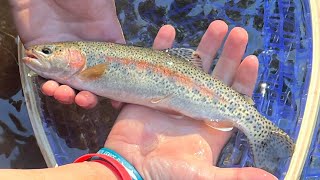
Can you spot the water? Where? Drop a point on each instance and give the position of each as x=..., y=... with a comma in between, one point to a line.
x=18, y=147
x=279, y=34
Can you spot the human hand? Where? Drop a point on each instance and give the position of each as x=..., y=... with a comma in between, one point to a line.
x=41, y=21
x=163, y=147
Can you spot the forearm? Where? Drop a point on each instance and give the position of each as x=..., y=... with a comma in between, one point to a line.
x=86, y=170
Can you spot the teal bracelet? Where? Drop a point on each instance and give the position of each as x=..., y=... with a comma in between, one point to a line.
x=130, y=169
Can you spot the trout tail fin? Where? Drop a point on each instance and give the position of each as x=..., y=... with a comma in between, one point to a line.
x=274, y=146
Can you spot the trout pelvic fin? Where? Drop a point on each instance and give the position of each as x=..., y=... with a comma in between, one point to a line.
x=94, y=72
x=159, y=99
x=187, y=54
x=221, y=126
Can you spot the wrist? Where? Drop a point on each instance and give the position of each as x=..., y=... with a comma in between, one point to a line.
x=114, y=162
x=127, y=165
x=100, y=171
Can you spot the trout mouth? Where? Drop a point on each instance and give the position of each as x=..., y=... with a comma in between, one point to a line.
x=30, y=55
x=31, y=59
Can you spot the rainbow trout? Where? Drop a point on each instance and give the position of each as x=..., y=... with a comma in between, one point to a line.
x=168, y=80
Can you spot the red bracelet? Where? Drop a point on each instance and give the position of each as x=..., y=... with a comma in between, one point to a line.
x=117, y=168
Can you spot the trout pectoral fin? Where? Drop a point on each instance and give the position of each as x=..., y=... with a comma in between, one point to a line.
x=94, y=72
x=221, y=126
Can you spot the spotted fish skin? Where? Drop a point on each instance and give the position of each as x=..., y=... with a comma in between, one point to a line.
x=161, y=81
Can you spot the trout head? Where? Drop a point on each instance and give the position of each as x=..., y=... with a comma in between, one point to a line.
x=58, y=61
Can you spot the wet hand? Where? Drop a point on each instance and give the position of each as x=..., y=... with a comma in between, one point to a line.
x=163, y=147
x=41, y=21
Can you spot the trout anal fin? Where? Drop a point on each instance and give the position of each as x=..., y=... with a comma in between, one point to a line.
x=248, y=99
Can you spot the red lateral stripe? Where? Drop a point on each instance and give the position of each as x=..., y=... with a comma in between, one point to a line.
x=164, y=71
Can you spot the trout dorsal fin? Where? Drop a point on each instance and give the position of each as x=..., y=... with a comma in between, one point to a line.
x=187, y=54
x=93, y=72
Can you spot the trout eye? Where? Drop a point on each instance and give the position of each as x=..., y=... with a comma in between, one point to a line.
x=46, y=51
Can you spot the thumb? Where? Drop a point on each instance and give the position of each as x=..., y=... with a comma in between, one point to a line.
x=242, y=174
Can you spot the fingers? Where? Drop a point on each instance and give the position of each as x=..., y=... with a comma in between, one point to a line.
x=86, y=99
x=49, y=87
x=211, y=42
x=246, y=76
x=231, y=56
x=164, y=38
x=241, y=174
x=66, y=95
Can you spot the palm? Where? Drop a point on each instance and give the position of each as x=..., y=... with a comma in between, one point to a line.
x=153, y=140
